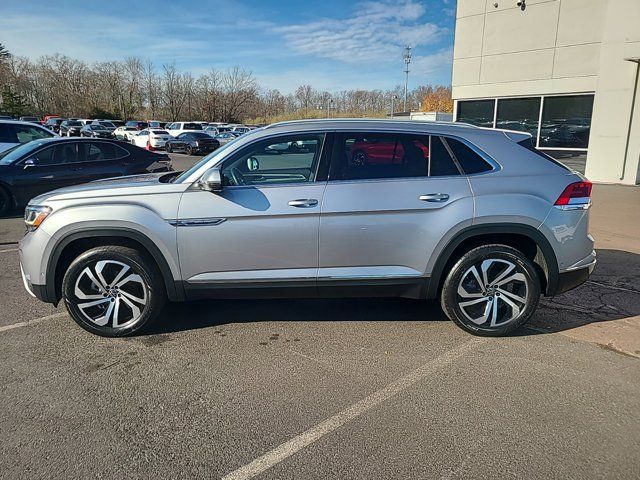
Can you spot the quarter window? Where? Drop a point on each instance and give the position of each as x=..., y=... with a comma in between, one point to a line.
x=469, y=161
x=290, y=159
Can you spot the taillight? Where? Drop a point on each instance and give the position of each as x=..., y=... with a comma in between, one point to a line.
x=575, y=196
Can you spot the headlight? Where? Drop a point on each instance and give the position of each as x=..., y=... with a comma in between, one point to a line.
x=34, y=215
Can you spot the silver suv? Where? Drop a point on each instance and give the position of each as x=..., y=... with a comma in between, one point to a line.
x=474, y=217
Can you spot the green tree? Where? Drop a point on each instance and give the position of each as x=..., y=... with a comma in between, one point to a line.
x=12, y=102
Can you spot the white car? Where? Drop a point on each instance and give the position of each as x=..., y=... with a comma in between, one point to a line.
x=176, y=128
x=153, y=137
x=14, y=133
x=225, y=137
x=125, y=133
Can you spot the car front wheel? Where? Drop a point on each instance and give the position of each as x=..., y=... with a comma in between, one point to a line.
x=113, y=291
x=491, y=291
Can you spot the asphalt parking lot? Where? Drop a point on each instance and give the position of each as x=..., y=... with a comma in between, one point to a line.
x=358, y=388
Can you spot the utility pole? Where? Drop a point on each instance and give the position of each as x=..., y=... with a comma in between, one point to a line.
x=407, y=61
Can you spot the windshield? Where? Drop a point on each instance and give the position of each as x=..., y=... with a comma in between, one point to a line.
x=186, y=173
x=14, y=153
x=74, y=124
x=97, y=127
x=160, y=132
x=107, y=124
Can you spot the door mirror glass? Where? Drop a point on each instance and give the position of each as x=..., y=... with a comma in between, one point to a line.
x=253, y=164
x=211, y=181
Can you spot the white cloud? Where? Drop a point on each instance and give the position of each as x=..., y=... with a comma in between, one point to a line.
x=439, y=61
x=377, y=32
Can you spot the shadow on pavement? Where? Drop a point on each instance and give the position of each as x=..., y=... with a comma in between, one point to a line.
x=610, y=294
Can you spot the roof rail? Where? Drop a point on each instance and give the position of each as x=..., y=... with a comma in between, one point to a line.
x=364, y=120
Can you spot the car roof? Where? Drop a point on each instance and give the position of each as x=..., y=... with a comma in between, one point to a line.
x=20, y=122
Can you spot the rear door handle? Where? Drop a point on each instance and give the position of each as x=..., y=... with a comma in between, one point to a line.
x=303, y=203
x=434, y=197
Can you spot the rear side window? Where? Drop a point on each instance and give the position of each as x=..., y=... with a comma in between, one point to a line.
x=363, y=156
x=100, y=151
x=469, y=161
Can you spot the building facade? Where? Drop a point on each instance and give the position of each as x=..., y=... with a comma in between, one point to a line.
x=564, y=70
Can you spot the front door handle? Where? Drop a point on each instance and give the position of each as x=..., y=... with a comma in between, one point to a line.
x=434, y=197
x=303, y=203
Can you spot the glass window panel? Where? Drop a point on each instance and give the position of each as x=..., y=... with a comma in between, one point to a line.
x=476, y=112
x=573, y=160
x=566, y=121
x=520, y=114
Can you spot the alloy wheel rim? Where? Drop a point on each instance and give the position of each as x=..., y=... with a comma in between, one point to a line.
x=493, y=293
x=110, y=294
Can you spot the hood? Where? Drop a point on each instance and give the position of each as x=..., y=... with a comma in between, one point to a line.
x=144, y=184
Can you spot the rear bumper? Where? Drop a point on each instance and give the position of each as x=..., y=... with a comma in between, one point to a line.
x=576, y=276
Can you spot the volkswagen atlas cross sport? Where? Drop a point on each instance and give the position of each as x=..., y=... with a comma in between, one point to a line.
x=474, y=217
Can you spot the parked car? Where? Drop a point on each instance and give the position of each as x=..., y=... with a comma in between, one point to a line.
x=224, y=138
x=30, y=119
x=6, y=117
x=176, y=128
x=13, y=132
x=117, y=123
x=212, y=131
x=151, y=137
x=106, y=124
x=137, y=125
x=43, y=165
x=70, y=128
x=125, y=133
x=53, y=124
x=192, y=143
x=485, y=224
x=96, y=130
x=241, y=129
x=46, y=118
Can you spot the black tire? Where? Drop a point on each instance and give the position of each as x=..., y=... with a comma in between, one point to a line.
x=5, y=201
x=189, y=150
x=150, y=288
x=478, y=300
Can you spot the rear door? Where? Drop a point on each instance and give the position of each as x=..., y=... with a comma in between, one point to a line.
x=98, y=160
x=384, y=212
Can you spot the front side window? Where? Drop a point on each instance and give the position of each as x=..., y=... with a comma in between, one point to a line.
x=64, y=152
x=290, y=159
x=25, y=133
x=385, y=155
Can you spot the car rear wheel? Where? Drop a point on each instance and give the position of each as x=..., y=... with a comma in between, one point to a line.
x=491, y=291
x=189, y=150
x=113, y=291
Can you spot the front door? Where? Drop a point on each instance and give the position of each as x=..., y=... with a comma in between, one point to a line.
x=389, y=200
x=262, y=228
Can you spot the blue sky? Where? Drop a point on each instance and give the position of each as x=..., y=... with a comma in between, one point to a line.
x=329, y=44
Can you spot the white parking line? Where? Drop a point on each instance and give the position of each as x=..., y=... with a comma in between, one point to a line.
x=32, y=322
x=282, y=452
x=10, y=250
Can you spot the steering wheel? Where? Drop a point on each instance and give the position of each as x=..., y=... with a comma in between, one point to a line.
x=236, y=176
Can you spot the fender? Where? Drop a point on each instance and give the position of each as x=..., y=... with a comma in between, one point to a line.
x=496, y=228
x=175, y=292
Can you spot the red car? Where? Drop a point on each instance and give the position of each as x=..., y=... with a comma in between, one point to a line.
x=366, y=152
x=47, y=117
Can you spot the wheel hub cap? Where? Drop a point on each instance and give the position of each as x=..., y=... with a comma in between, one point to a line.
x=493, y=293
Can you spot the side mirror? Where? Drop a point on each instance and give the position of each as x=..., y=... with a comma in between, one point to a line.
x=253, y=164
x=30, y=162
x=211, y=181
